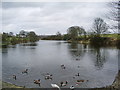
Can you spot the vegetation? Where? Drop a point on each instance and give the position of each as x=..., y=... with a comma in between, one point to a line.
x=99, y=26
x=22, y=37
x=9, y=85
x=74, y=32
x=98, y=36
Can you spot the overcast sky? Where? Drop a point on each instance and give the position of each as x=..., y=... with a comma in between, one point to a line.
x=49, y=17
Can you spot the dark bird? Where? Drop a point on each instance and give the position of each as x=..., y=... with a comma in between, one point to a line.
x=14, y=77
x=78, y=74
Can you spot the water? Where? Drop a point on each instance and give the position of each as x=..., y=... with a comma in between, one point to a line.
x=97, y=66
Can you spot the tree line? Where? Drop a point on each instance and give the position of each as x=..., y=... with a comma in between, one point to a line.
x=22, y=37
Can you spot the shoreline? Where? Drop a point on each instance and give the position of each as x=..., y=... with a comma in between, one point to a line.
x=9, y=85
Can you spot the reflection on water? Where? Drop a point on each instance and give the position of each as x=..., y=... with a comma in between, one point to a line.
x=100, y=57
x=98, y=65
x=76, y=50
x=29, y=44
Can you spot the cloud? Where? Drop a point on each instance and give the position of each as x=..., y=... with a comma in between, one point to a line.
x=50, y=17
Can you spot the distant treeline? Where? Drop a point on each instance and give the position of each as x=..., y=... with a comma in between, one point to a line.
x=22, y=37
x=99, y=35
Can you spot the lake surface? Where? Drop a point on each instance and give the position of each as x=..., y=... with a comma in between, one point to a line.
x=97, y=66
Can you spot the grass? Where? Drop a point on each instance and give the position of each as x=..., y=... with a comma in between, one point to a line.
x=8, y=85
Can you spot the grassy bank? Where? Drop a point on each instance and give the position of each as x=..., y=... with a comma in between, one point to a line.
x=8, y=85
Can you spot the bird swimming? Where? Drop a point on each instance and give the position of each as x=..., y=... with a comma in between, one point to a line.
x=55, y=86
x=72, y=87
x=63, y=66
x=63, y=83
x=25, y=71
x=78, y=74
x=48, y=76
x=14, y=77
x=37, y=82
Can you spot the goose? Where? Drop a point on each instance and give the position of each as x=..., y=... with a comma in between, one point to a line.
x=37, y=82
x=14, y=77
x=63, y=84
x=77, y=59
x=78, y=74
x=63, y=66
x=25, y=71
x=48, y=76
x=55, y=86
x=78, y=66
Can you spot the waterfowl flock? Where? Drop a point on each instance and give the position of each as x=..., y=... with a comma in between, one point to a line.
x=49, y=76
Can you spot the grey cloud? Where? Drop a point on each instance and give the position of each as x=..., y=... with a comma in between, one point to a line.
x=48, y=18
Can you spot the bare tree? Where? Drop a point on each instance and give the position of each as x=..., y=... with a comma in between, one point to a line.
x=114, y=14
x=99, y=26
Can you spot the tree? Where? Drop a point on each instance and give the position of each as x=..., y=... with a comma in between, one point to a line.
x=4, y=37
x=10, y=34
x=32, y=36
x=74, y=32
x=58, y=36
x=23, y=33
x=99, y=26
x=114, y=15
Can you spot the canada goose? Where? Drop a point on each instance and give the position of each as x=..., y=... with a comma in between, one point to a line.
x=63, y=66
x=37, y=82
x=14, y=77
x=66, y=82
x=77, y=59
x=25, y=71
x=48, y=76
x=63, y=84
x=78, y=74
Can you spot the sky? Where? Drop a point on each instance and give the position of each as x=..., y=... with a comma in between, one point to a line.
x=46, y=18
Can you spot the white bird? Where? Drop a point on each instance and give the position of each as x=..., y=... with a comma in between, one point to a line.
x=72, y=87
x=55, y=86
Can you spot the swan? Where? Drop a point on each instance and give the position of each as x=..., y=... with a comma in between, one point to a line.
x=55, y=86
x=72, y=87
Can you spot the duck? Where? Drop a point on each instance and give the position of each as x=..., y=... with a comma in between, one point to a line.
x=25, y=71
x=77, y=59
x=63, y=66
x=48, y=76
x=14, y=77
x=78, y=74
x=78, y=66
x=37, y=82
x=63, y=83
